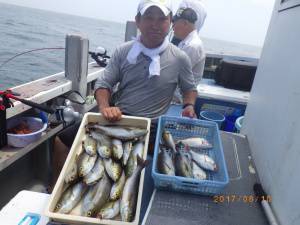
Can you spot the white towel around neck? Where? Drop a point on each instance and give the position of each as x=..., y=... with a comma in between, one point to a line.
x=138, y=48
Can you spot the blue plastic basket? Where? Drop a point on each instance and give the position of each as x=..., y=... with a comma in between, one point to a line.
x=181, y=128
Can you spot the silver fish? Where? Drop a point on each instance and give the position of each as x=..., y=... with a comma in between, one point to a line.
x=129, y=196
x=204, y=161
x=117, y=149
x=117, y=188
x=165, y=163
x=168, y=140
x=196, y=142
x=183, y=165
x=104, y=148
x=96, y=197
x=72, y=174
x=127, y=147
x=86, y=164
x=113, y=169
x=95, y=174
x=90, y=145
x=70, y=198
x=109, y=210
x=138, y=150
x=119, y=132
x=198, y=173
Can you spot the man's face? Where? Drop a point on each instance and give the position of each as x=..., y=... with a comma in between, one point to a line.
x=179, y=29
x=154, y=27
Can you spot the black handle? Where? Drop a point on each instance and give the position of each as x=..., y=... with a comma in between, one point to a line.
x=38, y=106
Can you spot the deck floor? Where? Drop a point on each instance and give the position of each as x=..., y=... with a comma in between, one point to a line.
x=170, y=208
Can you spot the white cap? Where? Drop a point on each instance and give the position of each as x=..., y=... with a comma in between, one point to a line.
x=199, y=8
x=164, y=5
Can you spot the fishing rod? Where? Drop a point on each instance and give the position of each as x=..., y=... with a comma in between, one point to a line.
x=23, y=53
x=8, y=94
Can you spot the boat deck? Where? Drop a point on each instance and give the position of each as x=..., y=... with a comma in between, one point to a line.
x=236, y=205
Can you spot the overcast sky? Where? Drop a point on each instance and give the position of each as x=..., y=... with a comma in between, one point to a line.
x=243, y=21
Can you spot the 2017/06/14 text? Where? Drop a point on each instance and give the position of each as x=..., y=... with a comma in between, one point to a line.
x=240, y=198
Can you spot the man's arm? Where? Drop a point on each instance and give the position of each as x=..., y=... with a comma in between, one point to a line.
x=189, y=99
x=110, y=113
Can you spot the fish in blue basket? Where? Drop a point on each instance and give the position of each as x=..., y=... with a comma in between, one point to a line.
x=204, y=161
x=198, y=173
x=165, y=163
x=168, y=140
x=196, y=142
x=129, y=196
x=183, y=165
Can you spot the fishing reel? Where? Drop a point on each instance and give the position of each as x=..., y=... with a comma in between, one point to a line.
x=100, y=56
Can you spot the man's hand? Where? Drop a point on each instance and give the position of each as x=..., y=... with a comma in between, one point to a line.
x=189, y=112
x=111, y=113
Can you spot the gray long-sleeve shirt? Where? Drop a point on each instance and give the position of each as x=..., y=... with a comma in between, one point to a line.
x=140, y=95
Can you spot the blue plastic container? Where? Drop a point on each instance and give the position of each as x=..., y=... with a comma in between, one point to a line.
x=181, y=128
x=213, y=116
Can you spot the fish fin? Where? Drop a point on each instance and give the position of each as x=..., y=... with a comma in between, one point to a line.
x=141, y=162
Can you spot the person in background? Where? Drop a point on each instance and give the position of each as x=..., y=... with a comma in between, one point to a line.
x=186, y=25
x=147, y=70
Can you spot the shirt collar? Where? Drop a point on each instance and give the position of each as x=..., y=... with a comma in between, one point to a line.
x=188, y=39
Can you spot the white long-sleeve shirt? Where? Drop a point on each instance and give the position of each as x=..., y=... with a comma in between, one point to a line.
x=193, y=47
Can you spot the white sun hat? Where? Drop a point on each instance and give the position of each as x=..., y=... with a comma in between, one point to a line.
x=164, y=5
x=199, y=8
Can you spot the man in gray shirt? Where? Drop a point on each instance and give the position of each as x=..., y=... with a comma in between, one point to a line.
x=147, y=69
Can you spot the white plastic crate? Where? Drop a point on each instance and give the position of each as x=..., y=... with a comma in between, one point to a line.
x=139, y=122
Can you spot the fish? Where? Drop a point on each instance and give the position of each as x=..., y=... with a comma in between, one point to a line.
x=183, y=165
x=95, y=174
x=96, y=197
x=204, y=161
x=113, y=169
x=169, y=141
x=196, y=142
x=198, y=173
x=109, y=210
x=72, y=174
x=127, y=147
x=104, y=147
x=70, y=198
x=86, y=164
x=129, y=196
x=90, y=145
x=117, y=188
x=118, y=132
x=165, y=163
x=117, y=149
x=138, y=150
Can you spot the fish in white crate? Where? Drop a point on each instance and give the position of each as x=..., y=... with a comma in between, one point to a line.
x=130, y=192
